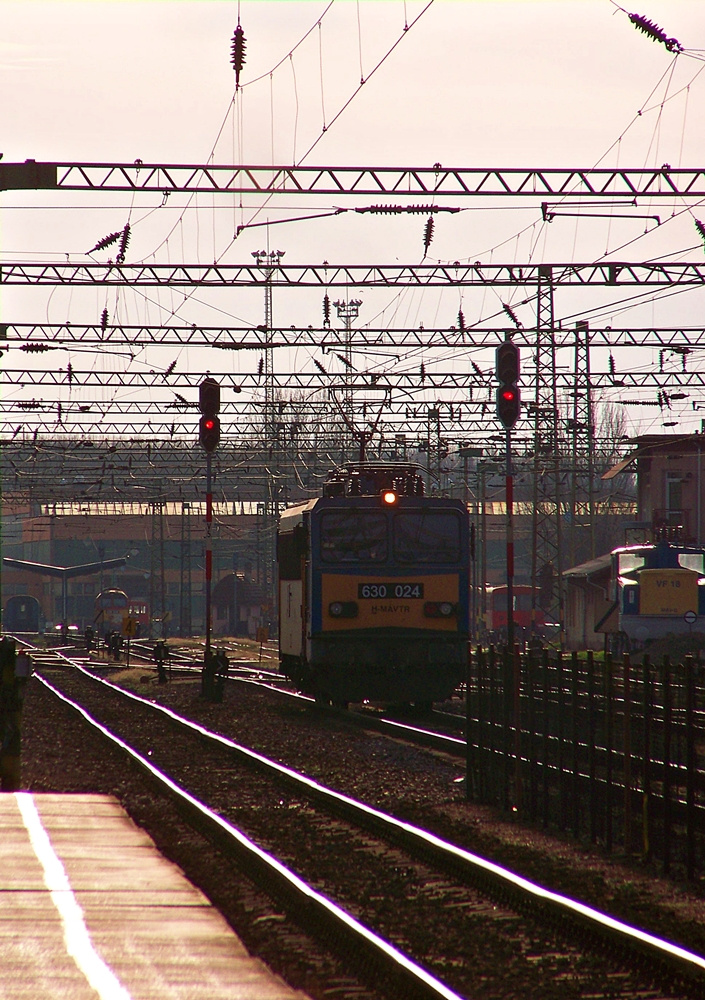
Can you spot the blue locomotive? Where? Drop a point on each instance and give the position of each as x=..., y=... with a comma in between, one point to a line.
x=660, y=590
x=374, y=589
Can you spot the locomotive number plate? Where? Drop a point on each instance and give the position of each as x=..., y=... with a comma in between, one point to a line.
x=382, y=590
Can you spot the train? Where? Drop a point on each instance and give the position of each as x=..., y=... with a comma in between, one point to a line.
x=23, y=614
x=113, y=607
x=659, y=591
x=496, y=615
x=374, y=584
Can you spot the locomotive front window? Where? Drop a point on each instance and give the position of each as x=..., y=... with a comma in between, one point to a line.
x=353, y=536
x=427, y=537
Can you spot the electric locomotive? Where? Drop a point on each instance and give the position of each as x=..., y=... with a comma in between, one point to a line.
x=113, y=606
x=374, y=589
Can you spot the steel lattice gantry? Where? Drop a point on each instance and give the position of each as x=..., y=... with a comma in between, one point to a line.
x=380, y=381
x=400, y=182
x=243, y=338
x=328, y=275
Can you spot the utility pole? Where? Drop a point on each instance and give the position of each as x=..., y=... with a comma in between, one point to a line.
x=582, y=428
x=269, y=261
x=209, y=436
x=547, y=549
x=347, y=312
x=508, y=409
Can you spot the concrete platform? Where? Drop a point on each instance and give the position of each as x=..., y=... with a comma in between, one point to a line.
x=90, y=909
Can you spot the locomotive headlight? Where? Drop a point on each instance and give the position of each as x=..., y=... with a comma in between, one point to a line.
x=389, y=497
x=439, y=609
x=343, y=609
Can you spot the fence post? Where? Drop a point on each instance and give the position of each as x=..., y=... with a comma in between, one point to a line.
x=561, y=743
x=508, y=719
x=529, y=678
x=516, y=684
x=690, y=763
x=608, y=749
x=470, y=764
x=492, y=716
x=545, y=670
x=667, y=719
x=575, y=739
x=646, y=800
x=592, y=739
x=627, y=739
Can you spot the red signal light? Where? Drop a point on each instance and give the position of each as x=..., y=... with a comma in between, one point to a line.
x=209, y=432
x=508, y=394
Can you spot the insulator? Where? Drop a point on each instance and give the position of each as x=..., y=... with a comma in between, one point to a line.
x=104, y=320
x=422, y=373
x=260, y=366
x=326, y=310
x=612, y=366
x=478, y=370
x=701, y=229
x=36, y=348
x=404, y=209
x=170, y=369
x=428, y=233
x=107, y=241
x=382, y=209
x=461, y=321
x=237, y=56
x=654, y=32
x=69, y=373
x=660, y=361
x=124, y=240
x=320, y=366
x=512, y=315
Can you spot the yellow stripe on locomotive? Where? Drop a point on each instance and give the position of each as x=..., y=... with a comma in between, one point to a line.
x=423, y=601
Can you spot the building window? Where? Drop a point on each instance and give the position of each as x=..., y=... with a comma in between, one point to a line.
x=674, y=491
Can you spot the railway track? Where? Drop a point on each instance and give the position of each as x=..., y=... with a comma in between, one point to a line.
x=471, y=925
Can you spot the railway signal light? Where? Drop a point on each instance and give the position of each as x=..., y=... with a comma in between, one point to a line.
x=209, y=432
x=508, y=395
x=209, y=405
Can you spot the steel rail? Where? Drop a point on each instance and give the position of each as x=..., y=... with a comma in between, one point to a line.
x=401, y=182
x=523, y=893
x=328, y=921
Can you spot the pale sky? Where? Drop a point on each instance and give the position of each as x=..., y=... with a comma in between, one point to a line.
x=568, y=83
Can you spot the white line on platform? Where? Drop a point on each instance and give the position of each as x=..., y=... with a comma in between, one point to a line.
x=78, y=941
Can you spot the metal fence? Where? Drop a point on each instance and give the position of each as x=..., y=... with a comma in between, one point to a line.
x=610, y=750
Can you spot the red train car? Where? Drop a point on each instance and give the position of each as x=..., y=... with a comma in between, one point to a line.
x=112, y=606
x=497, y=611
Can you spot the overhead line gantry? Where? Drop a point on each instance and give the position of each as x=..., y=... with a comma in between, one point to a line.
x=405, y=182
x=326, y=275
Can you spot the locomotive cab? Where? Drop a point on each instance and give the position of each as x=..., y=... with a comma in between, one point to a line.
x=373, y=591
